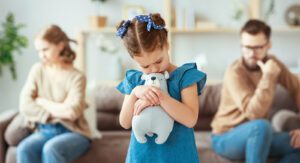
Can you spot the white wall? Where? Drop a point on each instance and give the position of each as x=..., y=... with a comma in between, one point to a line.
x=72, y=16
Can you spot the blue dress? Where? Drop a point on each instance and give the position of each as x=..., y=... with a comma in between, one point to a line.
x=180, y=146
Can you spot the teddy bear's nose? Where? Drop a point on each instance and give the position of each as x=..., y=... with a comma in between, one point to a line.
x=153, y=78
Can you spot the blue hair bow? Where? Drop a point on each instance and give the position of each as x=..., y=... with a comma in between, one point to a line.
x=147, y=18
x=123, y=29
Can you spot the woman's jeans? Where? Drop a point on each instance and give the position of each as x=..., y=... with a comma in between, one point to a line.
x=53, y=143
x=253, y=142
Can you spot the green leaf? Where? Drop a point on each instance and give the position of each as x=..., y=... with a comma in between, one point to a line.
x=11, y=42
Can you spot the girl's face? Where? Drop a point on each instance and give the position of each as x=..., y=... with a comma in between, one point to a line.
x=48, y=52
x=156, y=61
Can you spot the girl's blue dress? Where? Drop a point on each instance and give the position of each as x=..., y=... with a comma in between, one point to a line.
x=180, y=146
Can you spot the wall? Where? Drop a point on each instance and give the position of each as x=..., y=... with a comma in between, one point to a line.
x=72, y=16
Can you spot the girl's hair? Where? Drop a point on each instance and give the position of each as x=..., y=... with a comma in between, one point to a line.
x=138, y=39
x=55, y=35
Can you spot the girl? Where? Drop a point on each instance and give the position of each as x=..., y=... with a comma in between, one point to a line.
x=52, y=100
x=145, y=38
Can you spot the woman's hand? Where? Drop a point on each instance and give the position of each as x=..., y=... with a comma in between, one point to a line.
x=147, y=93
x=295, y=138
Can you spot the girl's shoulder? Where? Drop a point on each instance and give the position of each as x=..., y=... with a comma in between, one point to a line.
x=131, y=80
x=187, y=70
x=187, y=75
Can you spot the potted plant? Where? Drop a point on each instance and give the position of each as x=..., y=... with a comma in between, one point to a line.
x=99, y=20
x=10, y=42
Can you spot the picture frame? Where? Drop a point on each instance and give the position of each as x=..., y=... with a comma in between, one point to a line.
x=130, y=11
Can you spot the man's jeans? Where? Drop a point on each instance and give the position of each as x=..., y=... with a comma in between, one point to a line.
x=53, y=143
x=253, y=142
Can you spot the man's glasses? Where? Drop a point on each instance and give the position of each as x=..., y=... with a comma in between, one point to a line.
x=257, y=49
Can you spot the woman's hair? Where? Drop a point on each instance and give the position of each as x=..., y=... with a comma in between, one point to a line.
x=138, y=39
x=55, y=35
x=255, y=27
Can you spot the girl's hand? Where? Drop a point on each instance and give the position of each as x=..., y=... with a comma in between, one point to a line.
x=147, y=93
x=140, y=105
x=295, y=138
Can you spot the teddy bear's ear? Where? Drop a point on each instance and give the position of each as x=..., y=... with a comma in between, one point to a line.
x=166, y=74
x=143, y=77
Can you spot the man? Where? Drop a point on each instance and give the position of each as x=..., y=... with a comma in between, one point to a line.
x=240, y=131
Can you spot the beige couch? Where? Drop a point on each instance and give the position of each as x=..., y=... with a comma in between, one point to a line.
x=112, y=147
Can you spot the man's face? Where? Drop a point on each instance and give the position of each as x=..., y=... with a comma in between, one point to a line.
x=254, y=48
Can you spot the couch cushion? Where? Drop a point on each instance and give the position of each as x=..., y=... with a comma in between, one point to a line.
x=209, y=100
x=108, y=99
x=282, y=100
x=108, y=121
x=16, y=131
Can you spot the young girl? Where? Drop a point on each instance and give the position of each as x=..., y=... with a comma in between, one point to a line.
x=145, y=38
x=52, y=100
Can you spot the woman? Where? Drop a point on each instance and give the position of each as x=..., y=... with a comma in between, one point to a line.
x=52, y=101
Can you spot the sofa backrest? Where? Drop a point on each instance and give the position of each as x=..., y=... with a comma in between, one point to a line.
x=109, y=102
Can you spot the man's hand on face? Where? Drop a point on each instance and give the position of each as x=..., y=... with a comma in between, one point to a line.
x=270, y=67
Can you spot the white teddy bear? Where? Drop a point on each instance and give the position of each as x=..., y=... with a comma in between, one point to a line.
x=153, y=119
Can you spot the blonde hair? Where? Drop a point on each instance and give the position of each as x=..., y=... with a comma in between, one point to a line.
x=55, y=35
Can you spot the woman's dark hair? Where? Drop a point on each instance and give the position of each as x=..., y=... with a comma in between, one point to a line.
x=55, y=35
x=138, y=39
x=255, y=27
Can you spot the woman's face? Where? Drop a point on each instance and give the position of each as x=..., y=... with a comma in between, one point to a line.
x=156, y=61
x=48, y=52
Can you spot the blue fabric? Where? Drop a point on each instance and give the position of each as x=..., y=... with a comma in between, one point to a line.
x=123, y=29
x=147, y=19
x=180, y=146
x=253, y=142
x=53, y=143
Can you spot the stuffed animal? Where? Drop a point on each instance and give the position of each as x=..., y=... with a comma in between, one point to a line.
x=153, y=119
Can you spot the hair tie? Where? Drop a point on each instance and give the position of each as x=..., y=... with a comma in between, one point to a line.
x=147, y=19
x=123, y=29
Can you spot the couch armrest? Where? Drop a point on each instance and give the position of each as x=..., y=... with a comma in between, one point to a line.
x=5, y=118
x=91, y=112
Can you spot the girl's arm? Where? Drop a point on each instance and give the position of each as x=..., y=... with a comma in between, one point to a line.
x=131, y=108
x=185, y=112
x=126, y=113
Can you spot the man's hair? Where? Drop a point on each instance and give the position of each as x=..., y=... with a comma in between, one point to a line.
x=254, y=27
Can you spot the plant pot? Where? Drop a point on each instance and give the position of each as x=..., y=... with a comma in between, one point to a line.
x=98, y=21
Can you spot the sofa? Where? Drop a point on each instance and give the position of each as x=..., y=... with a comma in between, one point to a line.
x=112, y=146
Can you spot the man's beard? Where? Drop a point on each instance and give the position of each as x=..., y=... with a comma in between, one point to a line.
x=254, y=67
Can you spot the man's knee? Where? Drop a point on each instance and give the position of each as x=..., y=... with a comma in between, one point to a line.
x=263, y=127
